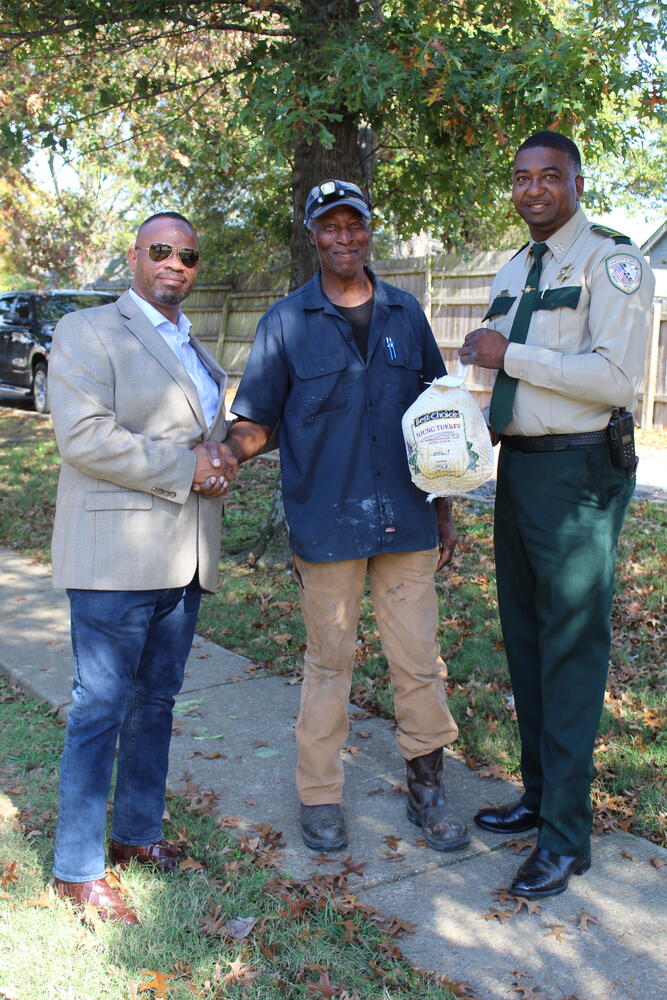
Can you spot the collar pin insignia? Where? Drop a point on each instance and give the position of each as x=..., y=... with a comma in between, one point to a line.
x=565, y=272
x=559, y=248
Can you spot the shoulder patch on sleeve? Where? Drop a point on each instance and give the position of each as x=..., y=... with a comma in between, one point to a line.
x=625, y=272
x=612, y=234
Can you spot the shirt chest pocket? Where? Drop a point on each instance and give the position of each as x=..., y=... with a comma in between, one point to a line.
x=403, y=375
x=559, y=298
x=498, y=313
x=322, y=385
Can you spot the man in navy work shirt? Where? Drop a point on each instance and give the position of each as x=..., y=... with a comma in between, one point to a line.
x=335, y=365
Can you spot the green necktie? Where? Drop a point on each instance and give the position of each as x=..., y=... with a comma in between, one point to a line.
x=502, y=398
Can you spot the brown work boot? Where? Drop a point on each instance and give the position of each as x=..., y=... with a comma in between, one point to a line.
x=99, y=894
x=428, y=807
x=159, y=855
x=323, y=827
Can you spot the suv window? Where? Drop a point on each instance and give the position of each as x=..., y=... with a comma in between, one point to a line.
x=6, y=303
x=52, y=307
x=22, y=307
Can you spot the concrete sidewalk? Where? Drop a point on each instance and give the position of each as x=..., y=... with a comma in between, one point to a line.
x=249, y=718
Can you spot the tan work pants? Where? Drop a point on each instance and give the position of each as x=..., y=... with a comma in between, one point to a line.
x=406, y=612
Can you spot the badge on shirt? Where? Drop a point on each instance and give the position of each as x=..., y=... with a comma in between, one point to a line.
x=565, y=272
x=625, y=272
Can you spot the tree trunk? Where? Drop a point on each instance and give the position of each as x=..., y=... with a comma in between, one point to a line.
x=347, y=159
x=312, y=161
x=275, y=551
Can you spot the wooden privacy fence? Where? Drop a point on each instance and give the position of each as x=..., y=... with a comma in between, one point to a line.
x=454, y=294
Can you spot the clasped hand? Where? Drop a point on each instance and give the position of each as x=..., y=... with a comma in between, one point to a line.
x=484, y=347
x=216, y=467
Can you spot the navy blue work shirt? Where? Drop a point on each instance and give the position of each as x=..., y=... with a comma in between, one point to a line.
x=346, y=483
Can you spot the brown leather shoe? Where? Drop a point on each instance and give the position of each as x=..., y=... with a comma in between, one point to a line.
x=160, y=855
x=99, y=894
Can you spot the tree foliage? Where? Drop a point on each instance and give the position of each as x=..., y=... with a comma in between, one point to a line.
x=234, y=109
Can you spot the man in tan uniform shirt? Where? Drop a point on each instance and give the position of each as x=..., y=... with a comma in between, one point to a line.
x=568, y=344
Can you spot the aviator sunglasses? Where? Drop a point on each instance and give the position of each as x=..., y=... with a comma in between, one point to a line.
x=163, y=251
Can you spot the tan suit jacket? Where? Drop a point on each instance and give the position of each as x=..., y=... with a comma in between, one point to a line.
x=126, y=416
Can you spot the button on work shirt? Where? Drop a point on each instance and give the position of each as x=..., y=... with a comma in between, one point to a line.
x=584, y=353
x=346, y=483
x=177, y=338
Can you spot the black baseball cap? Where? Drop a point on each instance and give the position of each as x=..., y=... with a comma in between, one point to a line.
x=329, y=194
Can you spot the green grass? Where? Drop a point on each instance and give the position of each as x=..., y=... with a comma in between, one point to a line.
x=255, y=613
x=302, y=932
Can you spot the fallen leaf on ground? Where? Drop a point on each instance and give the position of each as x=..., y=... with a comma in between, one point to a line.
x=383, y=974
x=530, y=905
x=239, y=973
x=395, y=926
x=460, y=989
x=630, y=857
x=230, y=822
x=10, y=873
x=158, y=983
x=393, y=857
x=44, y=900
x=351, y=867
x=211, y=923
x=657, y=862
x=351, y=749
x=240, y=927
x=530, y=992
x=190, y=865
x=559, y=931
x=518, y=845
x=503, y=896
x=583, y=919
x=501, y=915
x=492, y=771
x=324, y=987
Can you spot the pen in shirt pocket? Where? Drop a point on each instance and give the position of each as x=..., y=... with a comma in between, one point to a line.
x=391, y=350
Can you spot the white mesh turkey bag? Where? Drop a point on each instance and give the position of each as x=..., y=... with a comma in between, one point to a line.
x=447, y=441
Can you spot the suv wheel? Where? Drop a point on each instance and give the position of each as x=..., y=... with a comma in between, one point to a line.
x=40, y=395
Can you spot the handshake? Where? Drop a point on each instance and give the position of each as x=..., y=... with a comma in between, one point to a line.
x=216, y=467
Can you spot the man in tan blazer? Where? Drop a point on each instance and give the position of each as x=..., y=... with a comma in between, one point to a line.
x=138, y=407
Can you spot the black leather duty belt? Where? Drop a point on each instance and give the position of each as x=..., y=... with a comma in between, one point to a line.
x=553, y=442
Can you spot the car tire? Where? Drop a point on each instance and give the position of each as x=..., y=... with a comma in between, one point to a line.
x=40, y=393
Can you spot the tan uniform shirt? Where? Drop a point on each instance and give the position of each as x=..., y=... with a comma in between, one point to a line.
x=584, y=353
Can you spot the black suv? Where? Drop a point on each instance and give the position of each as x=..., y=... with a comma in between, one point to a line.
x=27, y=320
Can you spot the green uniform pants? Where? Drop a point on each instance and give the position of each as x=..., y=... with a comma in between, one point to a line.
x=557, y=520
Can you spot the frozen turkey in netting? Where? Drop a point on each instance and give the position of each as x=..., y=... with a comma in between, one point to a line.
x=447, y=442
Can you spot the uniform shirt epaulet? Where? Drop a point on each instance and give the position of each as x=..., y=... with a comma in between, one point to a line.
x=612, y=234
x=519, y=250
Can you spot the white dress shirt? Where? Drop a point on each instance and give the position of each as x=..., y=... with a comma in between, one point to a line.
x=177, y=337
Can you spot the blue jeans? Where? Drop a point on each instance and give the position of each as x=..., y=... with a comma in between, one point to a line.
x=130, y=649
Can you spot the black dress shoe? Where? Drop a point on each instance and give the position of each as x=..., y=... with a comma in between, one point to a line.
x=512, y=818
x=323, y=827
x=545, y=873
